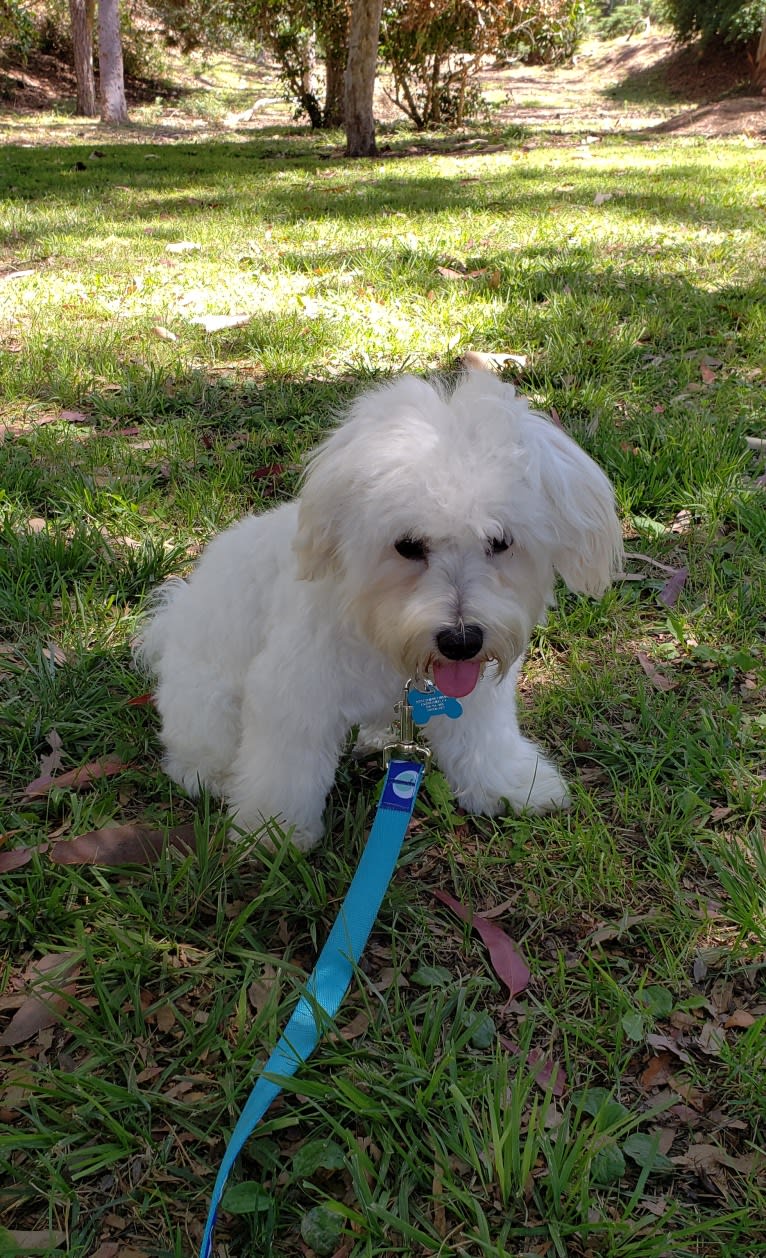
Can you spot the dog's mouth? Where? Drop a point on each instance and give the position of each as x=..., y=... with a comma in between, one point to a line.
x=457, y=678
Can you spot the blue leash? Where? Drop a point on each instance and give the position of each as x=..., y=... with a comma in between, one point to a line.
x=334, y=970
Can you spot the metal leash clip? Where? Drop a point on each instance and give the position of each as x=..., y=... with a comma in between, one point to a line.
x=406, y=744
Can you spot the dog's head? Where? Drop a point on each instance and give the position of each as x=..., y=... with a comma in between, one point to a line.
x=441, y=518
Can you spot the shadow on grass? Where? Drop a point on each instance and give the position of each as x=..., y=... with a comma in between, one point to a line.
x=151, y=184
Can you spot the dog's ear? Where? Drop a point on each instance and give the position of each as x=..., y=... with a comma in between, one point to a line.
x=580, y=508
x=323, y=500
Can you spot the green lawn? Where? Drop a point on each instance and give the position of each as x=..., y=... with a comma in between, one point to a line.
x=630, y=276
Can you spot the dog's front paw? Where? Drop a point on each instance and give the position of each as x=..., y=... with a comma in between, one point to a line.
x=535, y=786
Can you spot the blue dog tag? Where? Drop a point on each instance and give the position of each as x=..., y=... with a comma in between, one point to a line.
x=431, y=702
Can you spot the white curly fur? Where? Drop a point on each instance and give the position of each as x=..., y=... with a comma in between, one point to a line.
x=301, y=623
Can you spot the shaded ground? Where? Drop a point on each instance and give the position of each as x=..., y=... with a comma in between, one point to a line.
x=623, y=85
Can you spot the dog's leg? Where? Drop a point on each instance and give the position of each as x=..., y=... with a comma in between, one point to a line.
x=288, y=753
x=487, y=760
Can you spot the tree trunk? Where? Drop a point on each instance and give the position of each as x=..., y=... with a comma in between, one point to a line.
x=364, y=32
x=81, y=14
x=111, y=76
x=759, y=72
x=335, y=70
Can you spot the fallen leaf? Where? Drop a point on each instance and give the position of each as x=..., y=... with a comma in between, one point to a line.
x=706, y=1157
x=75, y=417
x=670, y=591
x=657, y=1072
x=756, y=443
x=601, y=197
x=707, y=373
x=47, y=999
x=740, y=1018
x=356, y=1027
x=30, y=1242
x=164, y=334
x=51, y=762
x=448, y=273
x=132, y=843
x=545, y=1070
x=666, y=1042
x=75, y=779
x=18, y=857
x=182, y=246
x=658, y=679
x=711, y=1039
x=54, y=653
x=138, y=701
x=506, y=961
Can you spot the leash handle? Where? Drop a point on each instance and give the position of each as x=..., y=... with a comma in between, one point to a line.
x=325, y=989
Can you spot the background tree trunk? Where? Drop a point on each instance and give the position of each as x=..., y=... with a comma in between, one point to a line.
x=364, y=32
x=759, y=73
x=81, y=14
x=111, y=75
x=334, y=100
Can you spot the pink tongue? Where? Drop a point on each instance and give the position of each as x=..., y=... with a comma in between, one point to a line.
x=457, y=678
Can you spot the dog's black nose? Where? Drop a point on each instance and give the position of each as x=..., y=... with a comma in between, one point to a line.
x=460, y=644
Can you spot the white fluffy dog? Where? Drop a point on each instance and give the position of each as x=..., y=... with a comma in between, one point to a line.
x=424, y=544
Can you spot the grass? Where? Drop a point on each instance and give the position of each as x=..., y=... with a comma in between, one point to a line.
x=630, y=274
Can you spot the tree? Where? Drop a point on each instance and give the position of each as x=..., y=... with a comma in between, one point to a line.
x=111, y=75
x=81, y=15
x=361, y=66
x=759, y=64
x=738, y=23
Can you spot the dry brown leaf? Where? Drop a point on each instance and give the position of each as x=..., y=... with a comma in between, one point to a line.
x=356, y=1027
x=51, y=762
x=666, y=1042
x=30, y=1242
x=707, y=373
x=448, y=273
x=132, y=843
x=164, y=1017
x=658, y=679
x=658, y=1071
x=54, y=653
x=740, y=1018
x=47, y=998
x=706, y=1157
x=711, y=1039
x=75, y=779
x=164, y=334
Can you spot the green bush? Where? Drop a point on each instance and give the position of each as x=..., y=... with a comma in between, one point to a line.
x=732, y=21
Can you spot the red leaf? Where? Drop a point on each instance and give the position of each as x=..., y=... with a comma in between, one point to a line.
x=18, y=856
x=138, y=701
x=270, y=469
x=77, y=779
x=506, y=961
x=670, y=591
x=547, y=1070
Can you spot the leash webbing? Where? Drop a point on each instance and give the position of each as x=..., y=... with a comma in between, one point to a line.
x=325, y=989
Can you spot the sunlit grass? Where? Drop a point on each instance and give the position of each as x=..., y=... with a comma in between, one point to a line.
x=630, y=277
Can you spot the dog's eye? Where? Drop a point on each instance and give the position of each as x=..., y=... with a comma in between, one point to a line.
x=499, y=544
x=411, y=548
